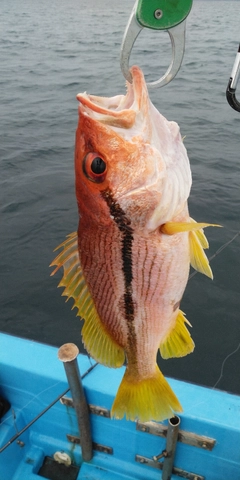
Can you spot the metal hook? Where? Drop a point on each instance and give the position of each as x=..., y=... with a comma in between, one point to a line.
x=177, y=36
x=232, y=84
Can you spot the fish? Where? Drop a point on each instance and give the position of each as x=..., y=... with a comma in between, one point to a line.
x=127, y=266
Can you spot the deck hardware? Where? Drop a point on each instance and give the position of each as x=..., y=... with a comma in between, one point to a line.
x=67, y=401
x=68, y=353
x=102, y=412
x=94, y=409
x=96, y=446
x=20, y=443
x=161, y=455
x=171, y=443
x=176, y=471
x=189, y=438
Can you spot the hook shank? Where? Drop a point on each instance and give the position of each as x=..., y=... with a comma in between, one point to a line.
x=232, y=84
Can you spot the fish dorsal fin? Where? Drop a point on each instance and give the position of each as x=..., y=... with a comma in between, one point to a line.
x=96, y=339
x=178, y=341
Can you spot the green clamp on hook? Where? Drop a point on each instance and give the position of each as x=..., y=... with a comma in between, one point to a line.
x=162, y=14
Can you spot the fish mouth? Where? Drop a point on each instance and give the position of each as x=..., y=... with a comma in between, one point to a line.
x=119, y=111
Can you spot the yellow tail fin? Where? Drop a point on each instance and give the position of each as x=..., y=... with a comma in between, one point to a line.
x=147, y=399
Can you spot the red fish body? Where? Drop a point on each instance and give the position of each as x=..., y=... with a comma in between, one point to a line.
x=128, y=265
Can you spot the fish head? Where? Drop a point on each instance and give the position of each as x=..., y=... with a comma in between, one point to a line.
x=127, y=150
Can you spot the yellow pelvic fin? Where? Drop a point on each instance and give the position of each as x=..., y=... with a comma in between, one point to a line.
x=198, y=258
x=147, y=399
x=178, y=341
x=96, y=339
x=170, y=228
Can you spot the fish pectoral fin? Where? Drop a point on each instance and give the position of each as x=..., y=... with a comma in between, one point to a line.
x=96, y=339
x=201, y=236
x=170, y=228
x=147, y=399
x=197, y=242
x=178, y=341
x=198, y=258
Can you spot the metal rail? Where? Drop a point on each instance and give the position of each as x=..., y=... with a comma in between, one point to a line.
x=68, y=353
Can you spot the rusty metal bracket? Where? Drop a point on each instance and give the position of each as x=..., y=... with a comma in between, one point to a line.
x=96, y=446
x=176, y=471
x=189, y=438
x=94, y=409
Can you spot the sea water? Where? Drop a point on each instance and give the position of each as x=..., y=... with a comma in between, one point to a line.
x=49, y=52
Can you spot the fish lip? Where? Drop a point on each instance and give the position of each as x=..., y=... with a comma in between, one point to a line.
x=120, y=110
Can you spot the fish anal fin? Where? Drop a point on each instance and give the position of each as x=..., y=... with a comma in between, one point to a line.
x=148, y=399
x=198, y=258
x=97, y=341
x=178, y=342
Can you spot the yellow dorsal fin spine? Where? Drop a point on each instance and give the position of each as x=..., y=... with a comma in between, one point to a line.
x=96, y=339
x=178, y=341
x=69, y=276
x=70, y=272
x=69, y=238
x=64, y=256
x=72, y=290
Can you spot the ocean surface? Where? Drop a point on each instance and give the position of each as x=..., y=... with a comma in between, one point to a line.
x=49, y=52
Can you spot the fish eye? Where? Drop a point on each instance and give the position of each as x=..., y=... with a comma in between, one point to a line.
x=94, y=167
x=98, y=165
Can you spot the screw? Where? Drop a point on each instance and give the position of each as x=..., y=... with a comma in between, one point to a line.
x=158, y=14
x=20, y=443
x=161, y=455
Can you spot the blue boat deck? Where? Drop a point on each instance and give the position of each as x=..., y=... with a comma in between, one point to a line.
x=31, y=377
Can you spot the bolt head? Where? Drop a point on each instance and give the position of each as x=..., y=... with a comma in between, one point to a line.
x=158, y=13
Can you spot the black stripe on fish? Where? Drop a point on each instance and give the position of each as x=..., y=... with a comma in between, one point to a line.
x=123, y=223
